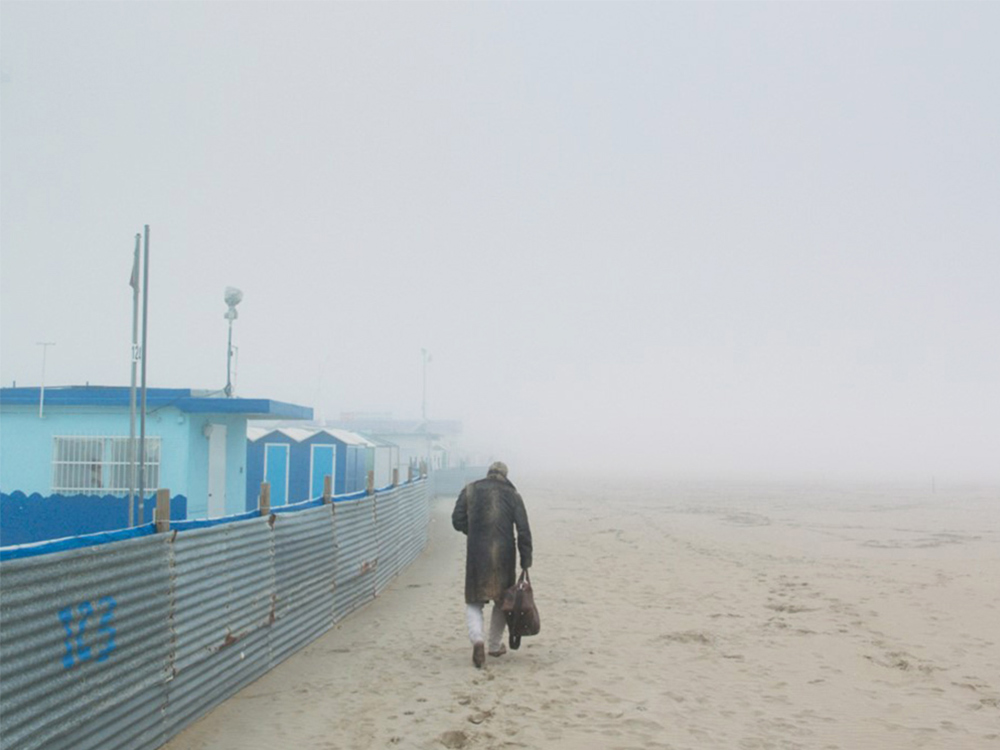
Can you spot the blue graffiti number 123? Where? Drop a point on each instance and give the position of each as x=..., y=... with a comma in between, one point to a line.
x=77, y=649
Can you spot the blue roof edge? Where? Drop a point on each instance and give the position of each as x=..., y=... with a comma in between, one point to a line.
x=183, y=399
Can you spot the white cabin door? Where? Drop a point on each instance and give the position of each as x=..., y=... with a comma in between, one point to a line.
x=216, y=470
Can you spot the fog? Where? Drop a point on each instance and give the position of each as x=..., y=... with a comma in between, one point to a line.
x=656, y=238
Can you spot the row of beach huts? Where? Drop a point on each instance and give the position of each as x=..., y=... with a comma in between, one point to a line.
x=67, y=451
x=295, y=461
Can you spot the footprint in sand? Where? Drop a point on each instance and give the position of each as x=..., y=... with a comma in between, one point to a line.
x=454, y=739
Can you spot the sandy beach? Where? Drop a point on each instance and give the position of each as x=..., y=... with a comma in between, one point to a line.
x=699, y=615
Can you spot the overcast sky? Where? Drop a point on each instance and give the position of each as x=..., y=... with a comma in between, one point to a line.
x=727, y=239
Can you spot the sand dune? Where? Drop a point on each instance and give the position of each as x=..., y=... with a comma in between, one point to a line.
x=674, y=616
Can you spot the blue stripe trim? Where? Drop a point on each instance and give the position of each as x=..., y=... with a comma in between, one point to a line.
x=75, y=542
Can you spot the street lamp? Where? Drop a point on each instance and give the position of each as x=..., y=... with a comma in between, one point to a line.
x=233, y=297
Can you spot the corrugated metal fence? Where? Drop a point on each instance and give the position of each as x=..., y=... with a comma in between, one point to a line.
x=122, y=644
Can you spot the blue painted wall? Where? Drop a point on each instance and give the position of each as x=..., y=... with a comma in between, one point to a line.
x=26, y=519
x=26, y=448
x=26, y=443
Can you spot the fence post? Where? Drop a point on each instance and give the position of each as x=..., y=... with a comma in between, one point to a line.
x=265, y=498
x=395, y=477
x=161, y=514
x=423, y=468
x=371, y=482
x=327, y=488
x=409, y=473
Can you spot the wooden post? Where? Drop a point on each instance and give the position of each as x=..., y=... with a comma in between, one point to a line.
x=161, y=514
x=423, y=468
x=371, y=482
x=395, y=477
x=409, y=473
x=327, y=488
x=265, y=498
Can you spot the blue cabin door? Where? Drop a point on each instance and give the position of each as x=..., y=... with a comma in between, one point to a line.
x=276, y=471
x=322, y=463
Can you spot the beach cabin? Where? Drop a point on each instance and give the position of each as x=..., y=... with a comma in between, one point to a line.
x=381, y=459
x=433, y=441
x=294, y=461
x=76, y=442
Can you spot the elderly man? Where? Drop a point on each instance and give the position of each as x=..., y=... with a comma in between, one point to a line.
x=488, y=511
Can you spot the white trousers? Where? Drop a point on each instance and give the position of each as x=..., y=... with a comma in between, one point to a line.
x=474, y=619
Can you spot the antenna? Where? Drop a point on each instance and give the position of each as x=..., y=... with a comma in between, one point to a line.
x=41, y=393
x=423, y=406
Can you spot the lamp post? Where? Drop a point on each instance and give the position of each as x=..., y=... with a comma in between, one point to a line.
x=423, y=407
x=233, y=297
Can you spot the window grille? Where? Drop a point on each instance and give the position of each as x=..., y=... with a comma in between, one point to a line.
x=100, y=465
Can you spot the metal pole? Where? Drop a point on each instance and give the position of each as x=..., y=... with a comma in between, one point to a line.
x=142, y=417
x=229, y=361
x=41, y=393
x=131, y=395
x=423, y=407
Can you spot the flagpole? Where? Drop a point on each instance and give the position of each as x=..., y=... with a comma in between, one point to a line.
x=142, y=414
x=41, y=392
x=134, y=283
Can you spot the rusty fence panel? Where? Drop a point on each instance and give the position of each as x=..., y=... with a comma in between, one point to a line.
x=85, y=646
x=415, y=518
x=224, y=604
x=388, y=527
x=357, y=555
x=401, y=525
x=305, y=557
x=123, y=644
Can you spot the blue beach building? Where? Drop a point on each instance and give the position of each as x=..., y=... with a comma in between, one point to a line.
x=295, y=460
x=196, y=443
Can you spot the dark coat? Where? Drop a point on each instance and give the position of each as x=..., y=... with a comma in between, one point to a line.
x=488, y=511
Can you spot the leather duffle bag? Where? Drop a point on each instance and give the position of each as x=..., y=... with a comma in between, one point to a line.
x=519, y=608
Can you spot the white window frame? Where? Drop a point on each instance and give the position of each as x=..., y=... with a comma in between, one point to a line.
x=73, y=465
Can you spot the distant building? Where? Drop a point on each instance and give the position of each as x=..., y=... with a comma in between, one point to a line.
x=196, y=443
x=382, y=460
x=434, y=441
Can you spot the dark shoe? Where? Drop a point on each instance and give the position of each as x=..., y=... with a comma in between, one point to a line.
x=479, y=655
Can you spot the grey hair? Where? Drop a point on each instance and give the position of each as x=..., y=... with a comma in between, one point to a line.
x=498, y=467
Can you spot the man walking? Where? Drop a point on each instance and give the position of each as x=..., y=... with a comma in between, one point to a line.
x=488, y=511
